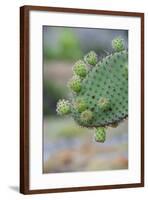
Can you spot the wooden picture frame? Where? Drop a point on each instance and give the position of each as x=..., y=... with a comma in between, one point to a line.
x=25, y=98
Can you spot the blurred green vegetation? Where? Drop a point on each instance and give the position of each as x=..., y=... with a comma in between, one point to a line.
x=68, y=47
x=71, y=130
x=55, y=128
x=68, y=147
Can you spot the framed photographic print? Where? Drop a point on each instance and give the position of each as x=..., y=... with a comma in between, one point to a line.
x=82, y=99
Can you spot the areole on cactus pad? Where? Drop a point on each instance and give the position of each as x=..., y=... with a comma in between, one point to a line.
x=99, y=90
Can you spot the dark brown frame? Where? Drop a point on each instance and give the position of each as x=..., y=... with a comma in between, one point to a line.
x=24, y=98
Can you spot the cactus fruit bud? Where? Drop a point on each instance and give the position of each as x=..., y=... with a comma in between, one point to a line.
x=125, y=72
x=63, y=107
x=91, y=58
x=80, y=68
x=100, y=134
x=80, y=105
x=104, y=103
x=75, y=84
x=118, y=44
x=86, y=116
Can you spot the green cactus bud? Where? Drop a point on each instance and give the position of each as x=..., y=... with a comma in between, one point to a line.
x=100, y=134
x=104, y=103
x=80, y=104
x=91, y=58
x=75, y=84
x=63, y=107
x=86, y=116
x=118, y=44
x=125, y=72
x=80, y=68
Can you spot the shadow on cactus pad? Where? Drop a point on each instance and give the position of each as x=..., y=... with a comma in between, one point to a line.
x=99, y=90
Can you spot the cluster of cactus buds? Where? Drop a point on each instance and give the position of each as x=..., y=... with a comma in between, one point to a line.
x=99, y=90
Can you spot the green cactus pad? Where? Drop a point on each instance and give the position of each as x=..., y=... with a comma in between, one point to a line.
x=105, y=80
x=100, y=98
x=103, y=103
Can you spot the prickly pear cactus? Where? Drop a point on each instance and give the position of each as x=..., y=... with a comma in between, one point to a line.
x=99, y=90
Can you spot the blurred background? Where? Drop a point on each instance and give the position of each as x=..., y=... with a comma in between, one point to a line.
x=66, y=146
